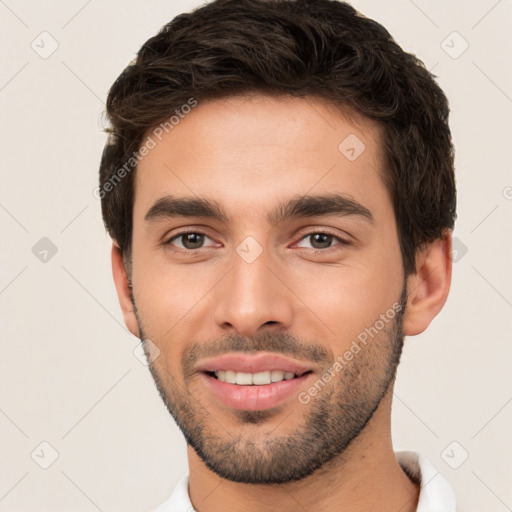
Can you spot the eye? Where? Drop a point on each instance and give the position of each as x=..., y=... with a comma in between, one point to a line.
x=322, y=240
x=190, y=240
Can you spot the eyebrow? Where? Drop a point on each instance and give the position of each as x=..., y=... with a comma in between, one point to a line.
x=168, y=207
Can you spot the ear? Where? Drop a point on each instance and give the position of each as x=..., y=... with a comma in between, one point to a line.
x=429, y=285
x=123, y=290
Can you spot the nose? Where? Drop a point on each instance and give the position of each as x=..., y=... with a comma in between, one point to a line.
x=253, y=296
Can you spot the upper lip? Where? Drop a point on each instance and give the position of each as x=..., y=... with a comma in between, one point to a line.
x=253, y=363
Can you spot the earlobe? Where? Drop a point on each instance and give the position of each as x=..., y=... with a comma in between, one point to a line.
x=123, y=290
x=429, y=285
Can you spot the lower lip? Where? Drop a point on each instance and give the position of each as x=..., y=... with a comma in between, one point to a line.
x=254, y=398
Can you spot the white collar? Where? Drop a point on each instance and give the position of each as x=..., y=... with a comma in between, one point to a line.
x=436, y=494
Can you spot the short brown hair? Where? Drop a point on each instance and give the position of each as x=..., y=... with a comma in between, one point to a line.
x=316, y=48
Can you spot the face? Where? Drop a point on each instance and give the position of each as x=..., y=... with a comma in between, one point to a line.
x=267, y=276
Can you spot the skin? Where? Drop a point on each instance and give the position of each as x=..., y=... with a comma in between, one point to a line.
x=248, y=153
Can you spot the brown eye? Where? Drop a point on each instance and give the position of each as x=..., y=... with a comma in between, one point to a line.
x=189, y=241
x=323, y=240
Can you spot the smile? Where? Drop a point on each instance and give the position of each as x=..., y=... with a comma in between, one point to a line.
x=253, y=382
x=253, y=379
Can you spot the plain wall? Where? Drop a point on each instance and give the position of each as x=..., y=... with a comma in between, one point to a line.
x=68, y=373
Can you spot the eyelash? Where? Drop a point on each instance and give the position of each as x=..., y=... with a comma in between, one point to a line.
x=192, y=252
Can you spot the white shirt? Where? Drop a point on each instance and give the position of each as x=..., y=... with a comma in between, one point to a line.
x=436, y=494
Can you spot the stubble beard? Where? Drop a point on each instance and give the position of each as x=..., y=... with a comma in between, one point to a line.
x=253, y=454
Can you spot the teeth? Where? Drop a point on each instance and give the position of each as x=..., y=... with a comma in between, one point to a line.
x=276, y=375
x=244, y=379
x=261, y=378
x=258, y=379
x=230, y=377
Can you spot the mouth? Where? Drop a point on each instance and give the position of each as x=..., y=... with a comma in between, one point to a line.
x=254, y=382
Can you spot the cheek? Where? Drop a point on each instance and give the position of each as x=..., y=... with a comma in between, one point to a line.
x=167, y=298
x=342, y=301
x=347, y=306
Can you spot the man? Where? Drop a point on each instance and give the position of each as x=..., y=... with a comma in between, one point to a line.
x=279, y=187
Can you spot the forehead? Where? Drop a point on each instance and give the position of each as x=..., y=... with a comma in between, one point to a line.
x=248, y=153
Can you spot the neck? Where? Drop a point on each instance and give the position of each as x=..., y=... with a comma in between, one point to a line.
x=366, y=476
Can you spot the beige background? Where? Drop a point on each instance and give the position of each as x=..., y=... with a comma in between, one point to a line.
x=69, y=376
